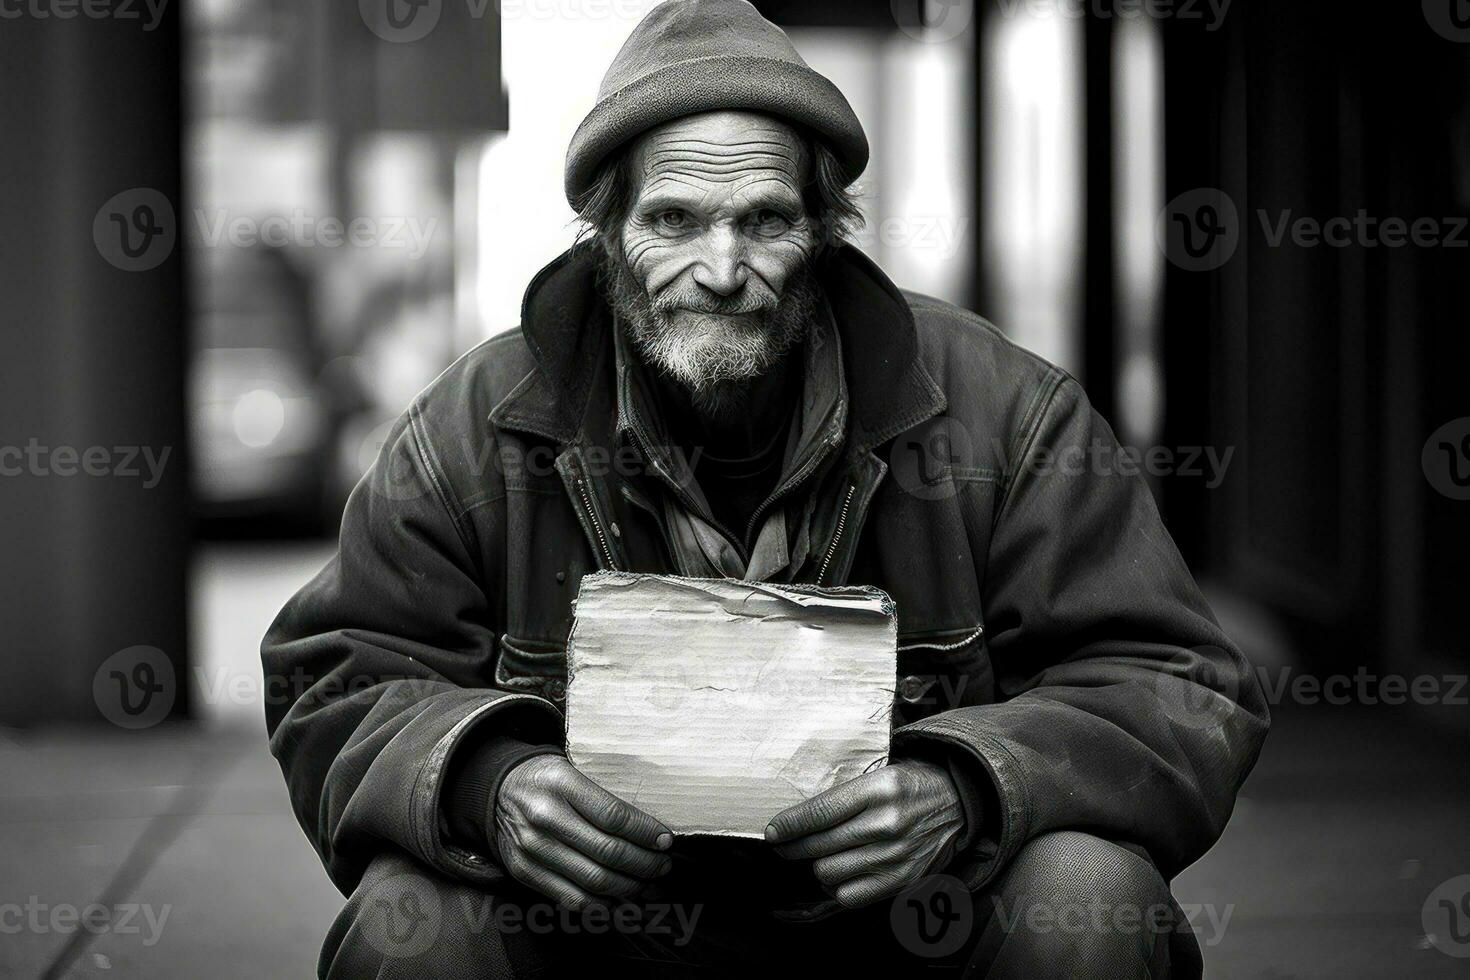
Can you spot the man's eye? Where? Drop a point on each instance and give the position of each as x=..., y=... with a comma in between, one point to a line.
x=672, y=221
x=769, y=222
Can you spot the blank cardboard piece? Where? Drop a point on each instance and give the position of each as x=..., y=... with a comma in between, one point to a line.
x=715, y=704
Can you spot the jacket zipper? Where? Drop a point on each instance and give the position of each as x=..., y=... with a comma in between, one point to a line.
x=835, y=439
x=837, y=536
x=596, y=523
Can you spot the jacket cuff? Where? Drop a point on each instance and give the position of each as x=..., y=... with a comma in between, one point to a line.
x=989, y=779
x=979, y=800
x=471, y=782
x=401, y=798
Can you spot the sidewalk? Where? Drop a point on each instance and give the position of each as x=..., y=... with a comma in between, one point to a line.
x=1341, y=834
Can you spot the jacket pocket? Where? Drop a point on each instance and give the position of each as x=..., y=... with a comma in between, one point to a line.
x=532, y=667
x=941, y=670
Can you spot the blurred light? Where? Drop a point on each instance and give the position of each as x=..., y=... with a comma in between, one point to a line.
x=466, y=197
x=396, y=177
x=259, y=416
x=552, y=67
x=910, y=91
x=1138, y=169
x=853, y=59
x=1033, y=180
x=924, y=235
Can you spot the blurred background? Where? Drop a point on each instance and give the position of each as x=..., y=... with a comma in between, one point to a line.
x=240, y=235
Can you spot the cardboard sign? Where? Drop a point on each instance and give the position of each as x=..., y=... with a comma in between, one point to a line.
x=715, y=704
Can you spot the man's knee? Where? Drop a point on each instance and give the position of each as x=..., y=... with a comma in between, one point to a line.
x=1072, y=865
x=1095, y=903
x=405, y=919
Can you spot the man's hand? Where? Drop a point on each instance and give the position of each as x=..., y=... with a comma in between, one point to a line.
x=570, y=839
x=874, y=835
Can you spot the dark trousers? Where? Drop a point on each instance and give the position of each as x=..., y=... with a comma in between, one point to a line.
x=1069, y=904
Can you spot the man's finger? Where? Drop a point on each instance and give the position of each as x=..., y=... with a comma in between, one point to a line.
x=867, y=889
x=607, y=850
x=822, y=811
x=581, y=870
x=869, y=826
x=552, y=885
x=834, y=869
x=617, y=817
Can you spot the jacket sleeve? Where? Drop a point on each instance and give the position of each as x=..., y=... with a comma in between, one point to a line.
x=1123, y=710
x=378, y=668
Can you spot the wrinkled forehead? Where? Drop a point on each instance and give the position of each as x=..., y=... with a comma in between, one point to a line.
x=721, y=149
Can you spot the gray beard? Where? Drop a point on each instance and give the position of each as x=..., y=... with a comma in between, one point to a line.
x=711, y=356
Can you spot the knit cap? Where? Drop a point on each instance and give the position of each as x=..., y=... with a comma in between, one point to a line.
x=692, y=56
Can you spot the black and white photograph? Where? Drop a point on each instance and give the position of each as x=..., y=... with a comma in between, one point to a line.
x=735, y=488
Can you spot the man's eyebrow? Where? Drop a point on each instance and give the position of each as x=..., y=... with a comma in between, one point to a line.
x=773, y=195
x=670, y=194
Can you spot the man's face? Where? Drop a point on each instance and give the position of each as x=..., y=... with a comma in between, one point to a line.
x=718, y=245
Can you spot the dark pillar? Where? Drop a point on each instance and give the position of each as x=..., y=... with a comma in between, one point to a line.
x=95, y=540
x=1099, y=324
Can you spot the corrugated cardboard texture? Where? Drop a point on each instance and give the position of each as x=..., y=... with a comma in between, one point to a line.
x=716, y=704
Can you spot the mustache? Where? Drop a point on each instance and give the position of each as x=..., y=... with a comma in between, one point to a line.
x=744, y=303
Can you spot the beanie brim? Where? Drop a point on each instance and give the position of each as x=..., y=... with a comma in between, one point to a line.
x=790, y=91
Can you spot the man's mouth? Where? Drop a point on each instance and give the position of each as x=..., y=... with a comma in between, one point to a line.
x=721, y=314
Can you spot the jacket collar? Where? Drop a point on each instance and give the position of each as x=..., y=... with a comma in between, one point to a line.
x=567, y=326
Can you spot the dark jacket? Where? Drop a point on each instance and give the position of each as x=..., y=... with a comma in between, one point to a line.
x=1048, y=630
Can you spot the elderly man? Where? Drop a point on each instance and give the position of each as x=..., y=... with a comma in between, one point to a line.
x=715, y=384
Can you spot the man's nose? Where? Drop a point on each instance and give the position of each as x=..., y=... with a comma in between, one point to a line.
x=721, y=269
